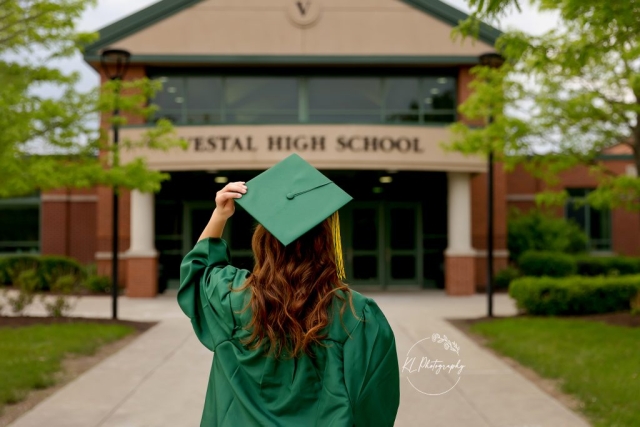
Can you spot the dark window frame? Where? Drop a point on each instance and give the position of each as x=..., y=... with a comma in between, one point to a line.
x=425, y=116
x=593, y=244
x=23, y=203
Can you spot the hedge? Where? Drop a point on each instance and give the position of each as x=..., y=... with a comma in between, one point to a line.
x=504, y=277
x=540, y=263
x=607, y=266
x=12, y=265
x=98, y=284
x=559, y=264
x=48, y=268
x=575, y=294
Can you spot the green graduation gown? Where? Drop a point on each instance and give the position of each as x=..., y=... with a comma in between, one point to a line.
x=353, y=382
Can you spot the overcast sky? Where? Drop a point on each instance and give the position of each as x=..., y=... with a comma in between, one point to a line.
x=109, y=11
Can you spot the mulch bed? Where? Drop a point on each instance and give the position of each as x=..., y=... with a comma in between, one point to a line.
x=18, y=321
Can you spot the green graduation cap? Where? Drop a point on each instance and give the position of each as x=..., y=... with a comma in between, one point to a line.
x=291, y=198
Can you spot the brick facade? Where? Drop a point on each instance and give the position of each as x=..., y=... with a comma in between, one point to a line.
x=78, y=222
x=69, y=223
x=625, y=225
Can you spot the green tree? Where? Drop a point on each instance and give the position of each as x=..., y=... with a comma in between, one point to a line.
x=570, y=93
x=53, y=142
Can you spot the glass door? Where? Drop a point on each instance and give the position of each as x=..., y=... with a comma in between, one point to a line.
x=195, y=218
x=238, y=231
x=403, y=248
x=362, y=241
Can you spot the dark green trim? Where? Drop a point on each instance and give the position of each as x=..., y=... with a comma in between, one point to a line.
x=297, y=59
x=453, y=16
x=296, y=124
x=137, y=22
x=615, y=157
x=21, y=201
x=166, y=8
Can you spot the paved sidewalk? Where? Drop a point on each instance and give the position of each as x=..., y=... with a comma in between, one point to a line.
x=159, y=380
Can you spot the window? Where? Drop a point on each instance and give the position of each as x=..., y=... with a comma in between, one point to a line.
x=402, y=100
x=595, y=223
x=237, y=99
x=344, y=100
x=261, y=100
x=20, y=225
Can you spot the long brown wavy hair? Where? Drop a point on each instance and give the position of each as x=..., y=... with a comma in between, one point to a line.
x=292, y=288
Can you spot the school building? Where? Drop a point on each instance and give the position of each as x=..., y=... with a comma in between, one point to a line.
x=362, y=89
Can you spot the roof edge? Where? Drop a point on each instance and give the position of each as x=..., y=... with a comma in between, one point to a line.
x=136, y=22
x=453, y=16
x=285, y=60
x=166, y=8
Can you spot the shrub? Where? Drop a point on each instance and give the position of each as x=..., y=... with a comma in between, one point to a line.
x=607, y=266
x=14, y=265
x=505, y=276
x=48, y=268
x=635, y=304
x=575, y=294
x=536, y=230
x=98, y=284
x=26, y=283
x=4, y=276
x=540, y=263
x=3, y=298
x=52, y=267
x=61, y=304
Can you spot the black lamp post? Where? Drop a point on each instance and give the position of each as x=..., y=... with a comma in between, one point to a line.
x=114, y=64
x=493, y=60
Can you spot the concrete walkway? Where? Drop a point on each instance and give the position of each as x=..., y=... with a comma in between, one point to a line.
x=159, y=380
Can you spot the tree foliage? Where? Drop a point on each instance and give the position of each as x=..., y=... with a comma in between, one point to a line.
x=561, y=97
x=50, y=142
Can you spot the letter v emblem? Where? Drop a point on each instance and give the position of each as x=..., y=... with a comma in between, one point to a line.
x=303, y=7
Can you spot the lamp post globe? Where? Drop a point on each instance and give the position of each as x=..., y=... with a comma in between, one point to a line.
x=491, y=59
x=114, y=63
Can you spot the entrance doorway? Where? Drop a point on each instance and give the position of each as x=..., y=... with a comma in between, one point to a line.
x=383, y=245
x=238, y=231
x=383, y=248
x=392, y=235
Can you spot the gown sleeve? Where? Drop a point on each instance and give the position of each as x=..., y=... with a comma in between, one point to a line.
x=371, y=370
x=206, y=279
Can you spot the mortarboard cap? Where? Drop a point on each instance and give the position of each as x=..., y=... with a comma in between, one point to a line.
x=291, y=198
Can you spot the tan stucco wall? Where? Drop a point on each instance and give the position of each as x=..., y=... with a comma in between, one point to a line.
x=325, y=146
x=265, y=27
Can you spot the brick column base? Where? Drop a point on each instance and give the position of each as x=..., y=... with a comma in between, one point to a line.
x=142, y=277
x=460, y=275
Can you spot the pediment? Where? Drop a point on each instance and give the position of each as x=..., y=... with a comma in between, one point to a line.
x=297, y=27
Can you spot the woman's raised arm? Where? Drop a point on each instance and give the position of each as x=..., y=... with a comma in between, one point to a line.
x=225, y=207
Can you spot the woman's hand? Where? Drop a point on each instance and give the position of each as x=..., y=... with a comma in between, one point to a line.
x=225, y=206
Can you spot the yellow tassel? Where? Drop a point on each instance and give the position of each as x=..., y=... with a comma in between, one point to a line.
x=337, y=244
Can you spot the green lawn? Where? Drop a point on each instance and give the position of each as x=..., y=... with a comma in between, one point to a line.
x=31, y=355
x=595, y=362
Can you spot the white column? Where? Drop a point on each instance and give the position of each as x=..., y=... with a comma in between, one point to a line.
x=142, y=225
x=459, y=215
